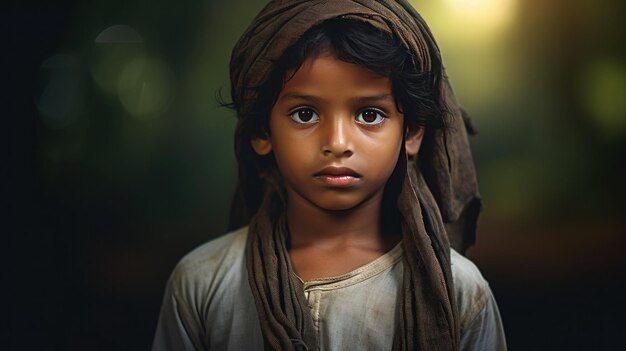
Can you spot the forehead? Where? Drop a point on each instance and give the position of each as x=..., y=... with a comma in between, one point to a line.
x=326, y=75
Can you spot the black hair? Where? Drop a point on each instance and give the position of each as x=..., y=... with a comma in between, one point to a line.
x=352, y=41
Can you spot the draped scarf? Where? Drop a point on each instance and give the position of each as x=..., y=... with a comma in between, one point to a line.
x=438, y=199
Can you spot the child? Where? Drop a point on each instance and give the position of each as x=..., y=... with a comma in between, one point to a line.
x=354, y=169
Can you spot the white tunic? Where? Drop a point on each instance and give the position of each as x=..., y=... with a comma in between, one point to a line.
x=208, y=304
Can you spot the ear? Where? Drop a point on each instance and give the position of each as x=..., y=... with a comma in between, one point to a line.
x=413, y=140
x=262, y=146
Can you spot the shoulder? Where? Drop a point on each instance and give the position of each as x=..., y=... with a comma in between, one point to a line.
x=197, y=272
x=214, y=251
x=481, y=325
x=471, y=289
x=207, y=278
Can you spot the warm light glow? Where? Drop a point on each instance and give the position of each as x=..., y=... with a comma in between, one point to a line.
x=472, y=36
x=484, y=14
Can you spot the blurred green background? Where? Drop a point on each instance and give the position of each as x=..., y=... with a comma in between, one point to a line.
x=124, y=160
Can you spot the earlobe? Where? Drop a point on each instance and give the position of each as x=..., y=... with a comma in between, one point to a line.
x=413, y=141
x=262, y=146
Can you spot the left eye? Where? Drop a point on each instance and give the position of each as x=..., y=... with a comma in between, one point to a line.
x=304, y=116
x=370, y=117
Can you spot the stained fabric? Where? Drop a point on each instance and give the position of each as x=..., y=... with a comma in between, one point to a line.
x=438, y=199
x=208, y=303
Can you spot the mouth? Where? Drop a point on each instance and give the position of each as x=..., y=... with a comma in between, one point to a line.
x=338, y=176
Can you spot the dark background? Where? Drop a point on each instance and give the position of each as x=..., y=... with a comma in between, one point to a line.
x=117, y=161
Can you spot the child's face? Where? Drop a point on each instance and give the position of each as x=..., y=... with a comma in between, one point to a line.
x=336, y=134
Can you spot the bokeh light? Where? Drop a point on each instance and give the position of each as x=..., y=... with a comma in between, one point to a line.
x=113, y=49
x=145, y=87
x=118, y=34
x=603, y=89
x=59, y=94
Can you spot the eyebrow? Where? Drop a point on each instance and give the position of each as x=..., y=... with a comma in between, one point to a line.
x=294, y=96
x=374, y=98
x=362, y=99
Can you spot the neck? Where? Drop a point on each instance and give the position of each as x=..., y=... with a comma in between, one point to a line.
x=312, y=226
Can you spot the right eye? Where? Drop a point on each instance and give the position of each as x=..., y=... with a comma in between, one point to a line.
x=304, y=116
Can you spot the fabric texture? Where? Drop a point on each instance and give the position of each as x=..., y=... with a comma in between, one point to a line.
x=438, y=197
x=208, y=303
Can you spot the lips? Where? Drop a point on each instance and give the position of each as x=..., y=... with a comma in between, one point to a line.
x=338, y=176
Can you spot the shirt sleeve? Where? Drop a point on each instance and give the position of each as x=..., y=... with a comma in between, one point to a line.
x=179, y=326
x=484, y=332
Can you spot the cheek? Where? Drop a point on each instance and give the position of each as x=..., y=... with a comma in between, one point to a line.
x=292, y=154
x=388, y=161
x=385, y=157
x=389, y=146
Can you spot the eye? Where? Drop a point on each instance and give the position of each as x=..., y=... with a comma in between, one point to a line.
x=370, y=117
x=304, y=116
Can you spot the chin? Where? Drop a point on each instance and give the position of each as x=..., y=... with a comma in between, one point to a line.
x=339, y=203
x=337, y=207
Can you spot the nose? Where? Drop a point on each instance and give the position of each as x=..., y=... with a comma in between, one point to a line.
x=337, y=140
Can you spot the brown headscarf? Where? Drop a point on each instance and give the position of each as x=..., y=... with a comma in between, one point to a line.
x=438, y=199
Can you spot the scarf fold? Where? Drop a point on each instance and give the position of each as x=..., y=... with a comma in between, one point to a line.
x=438, y=201
x=284, y=313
